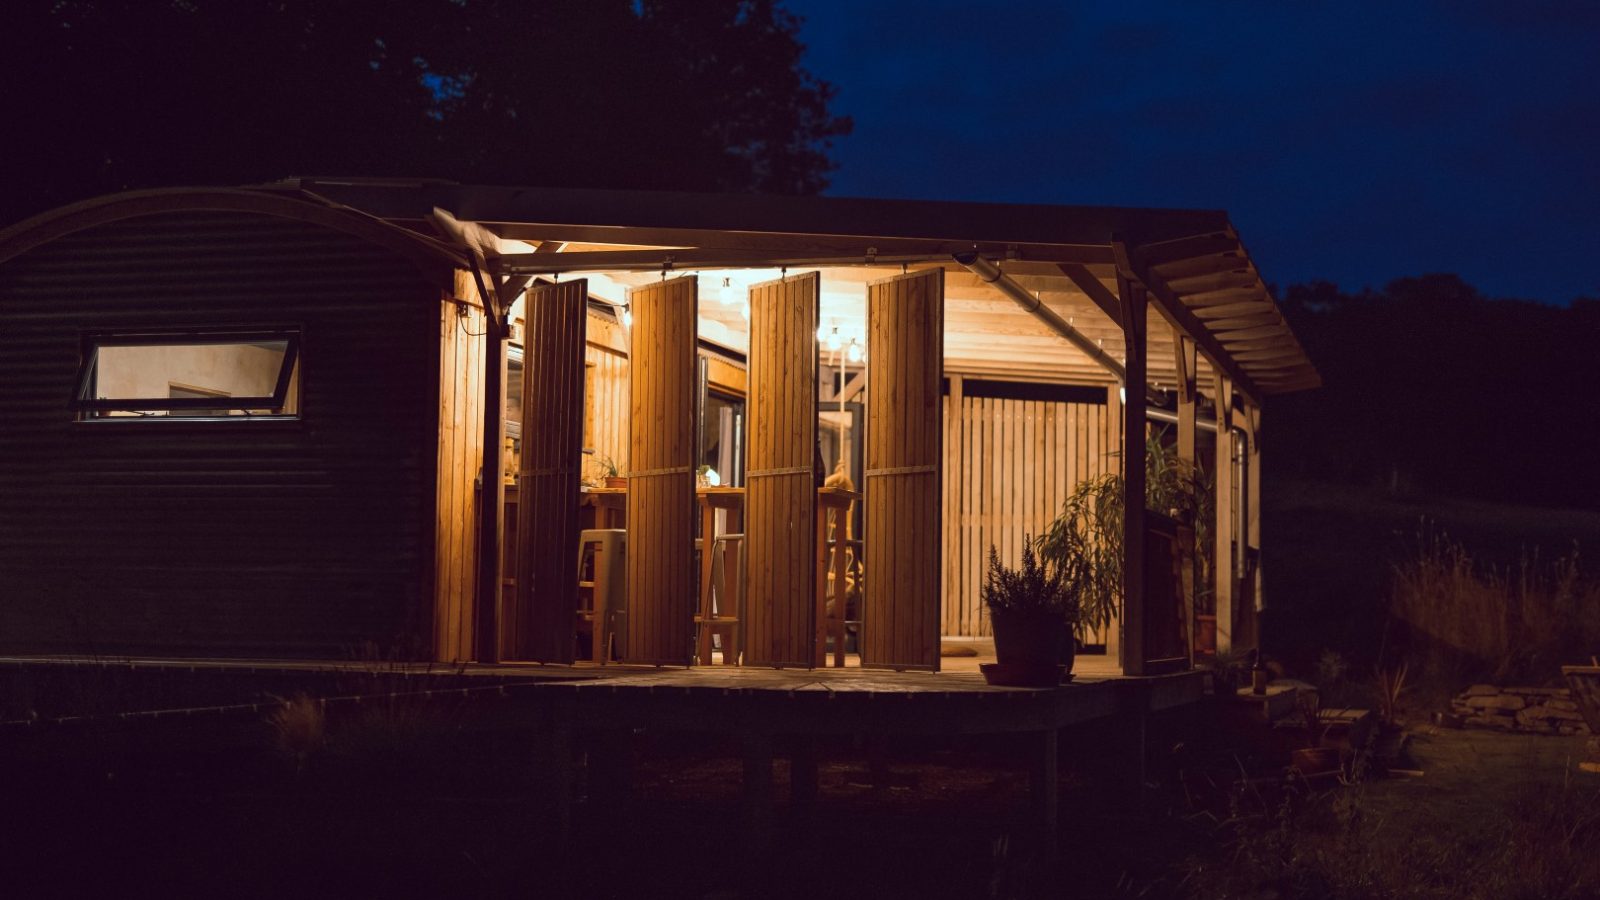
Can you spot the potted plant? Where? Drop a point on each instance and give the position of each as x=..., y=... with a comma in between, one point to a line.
x=611, y=473
x=1033, y=613
x=1089, y=530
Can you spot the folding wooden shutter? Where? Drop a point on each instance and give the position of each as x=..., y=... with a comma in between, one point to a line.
x=541, y=620
x=905, y=362
x=781, y=497
x=663, y=393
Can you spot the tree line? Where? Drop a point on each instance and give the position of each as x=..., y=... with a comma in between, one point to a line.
x=1431, y=387
x=110, y=95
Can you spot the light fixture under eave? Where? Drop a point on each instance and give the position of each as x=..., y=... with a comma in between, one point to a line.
x=627, y=315
x=726, y=293
x=853, y=352
x=834, y=341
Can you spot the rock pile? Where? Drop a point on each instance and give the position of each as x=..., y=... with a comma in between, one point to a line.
x=1527, y=709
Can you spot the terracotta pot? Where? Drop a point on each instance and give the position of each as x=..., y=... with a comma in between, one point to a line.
x=1205, y=633
x=616, y=481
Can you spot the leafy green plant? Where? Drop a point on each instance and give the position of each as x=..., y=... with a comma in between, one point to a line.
x=1088, y=530
x=1031, y=590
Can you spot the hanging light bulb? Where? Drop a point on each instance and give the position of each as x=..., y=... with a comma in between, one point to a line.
x=726, y=293
x=834, y=342
x=853, y=352
x=627, y=315
x=822, y=333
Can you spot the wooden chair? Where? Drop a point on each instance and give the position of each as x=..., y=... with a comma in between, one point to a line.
x=721, y=601
x=602, y=589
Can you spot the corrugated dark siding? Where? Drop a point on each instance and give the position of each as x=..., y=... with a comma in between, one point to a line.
x=300, y=539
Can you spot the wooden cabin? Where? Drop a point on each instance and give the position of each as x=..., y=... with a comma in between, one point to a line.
x=307, y=418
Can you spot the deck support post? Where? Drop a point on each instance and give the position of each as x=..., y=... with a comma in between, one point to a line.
x=756, y=748
x=1044, y=780
x=1134, y=327
x=1252, y=516
x=1223, y=567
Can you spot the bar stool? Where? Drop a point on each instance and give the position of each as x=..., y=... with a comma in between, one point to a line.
x=603, y=558
x=721, y=600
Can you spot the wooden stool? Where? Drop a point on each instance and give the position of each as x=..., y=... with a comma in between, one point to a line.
x=720, y=601
x=602, y=596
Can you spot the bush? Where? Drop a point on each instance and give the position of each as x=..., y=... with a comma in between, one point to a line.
x=1522, y=621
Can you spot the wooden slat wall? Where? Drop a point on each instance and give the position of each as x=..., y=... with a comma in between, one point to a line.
x=606, y=430
x=1019, y=461
x=663, y=392
x=460, y=455
x=781, y=497
x=905, y=347
x=552, y=443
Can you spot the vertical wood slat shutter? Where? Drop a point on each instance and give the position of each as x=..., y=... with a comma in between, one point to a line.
x=664, y=392
x=781, y=497
x=905, y=359
x=542, y=618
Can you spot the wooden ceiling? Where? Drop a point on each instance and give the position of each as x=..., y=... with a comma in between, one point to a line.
x=1197, y=273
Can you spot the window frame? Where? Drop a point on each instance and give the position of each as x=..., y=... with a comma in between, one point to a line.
x=92, y=409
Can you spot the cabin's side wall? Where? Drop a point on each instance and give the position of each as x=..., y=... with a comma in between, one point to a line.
x=309, y=537
x=1009, y=466
x=461, y=329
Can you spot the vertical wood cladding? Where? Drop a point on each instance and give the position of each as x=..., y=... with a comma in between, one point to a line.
x=661, y=504
x=461, y=348
x=905, y=353
x=272, y=538
x=552, y=447
x=781, y=500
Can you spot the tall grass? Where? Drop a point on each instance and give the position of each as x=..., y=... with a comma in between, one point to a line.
x=1522, y=620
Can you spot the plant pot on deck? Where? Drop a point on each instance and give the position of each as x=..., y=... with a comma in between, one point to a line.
x=617, y=481
x=1031, y=650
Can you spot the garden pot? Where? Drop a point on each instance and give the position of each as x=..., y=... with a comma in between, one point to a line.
x=616, y=481
x=1036, y=650
x=1205, y=634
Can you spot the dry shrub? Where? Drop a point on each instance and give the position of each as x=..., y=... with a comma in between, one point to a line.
x=300, y=726
x=1518, y=621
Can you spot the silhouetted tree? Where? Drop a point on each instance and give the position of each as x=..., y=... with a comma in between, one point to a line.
x=106, y=95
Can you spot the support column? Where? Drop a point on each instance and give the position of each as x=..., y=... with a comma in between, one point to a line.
x=1253, y=515
x=1134, y=329
x=1184, y=355
x=1223, y=569
x=486, y=618
x=1113, y=447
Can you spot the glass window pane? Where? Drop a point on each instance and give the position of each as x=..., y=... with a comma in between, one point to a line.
x=190, y=377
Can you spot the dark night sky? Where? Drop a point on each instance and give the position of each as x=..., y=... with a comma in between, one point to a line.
x=1356, y=141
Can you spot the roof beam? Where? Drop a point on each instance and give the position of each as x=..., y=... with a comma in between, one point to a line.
x=1181, y=317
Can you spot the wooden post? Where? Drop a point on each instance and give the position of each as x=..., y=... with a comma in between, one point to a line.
x=953, y=602
x=1223, y=567
x=486, y=621
x=1253, y=513
x=1185, y=357
x=1113, y=445
x=1134, y=328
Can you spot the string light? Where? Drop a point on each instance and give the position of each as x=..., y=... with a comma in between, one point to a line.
x=853, y=352
x=834, y=341
x=627, y=315
x=726, y=293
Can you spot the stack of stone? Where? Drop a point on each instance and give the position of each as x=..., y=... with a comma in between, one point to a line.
x=1527, y=709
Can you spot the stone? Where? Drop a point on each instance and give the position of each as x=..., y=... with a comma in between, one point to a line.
x=1559, y=703
x=1533, y=691
x=1501, y=701
x=1481, y=690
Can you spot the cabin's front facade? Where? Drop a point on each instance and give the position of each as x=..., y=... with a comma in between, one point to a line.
x=397, y=461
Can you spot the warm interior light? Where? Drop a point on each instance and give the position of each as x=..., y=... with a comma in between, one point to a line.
x=822, y=333
x=712, y=478
x=1122, y=395
x=627, y=315
x=853, y=352
x=834, y=341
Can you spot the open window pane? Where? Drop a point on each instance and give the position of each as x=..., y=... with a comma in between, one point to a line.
x=190, y=376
